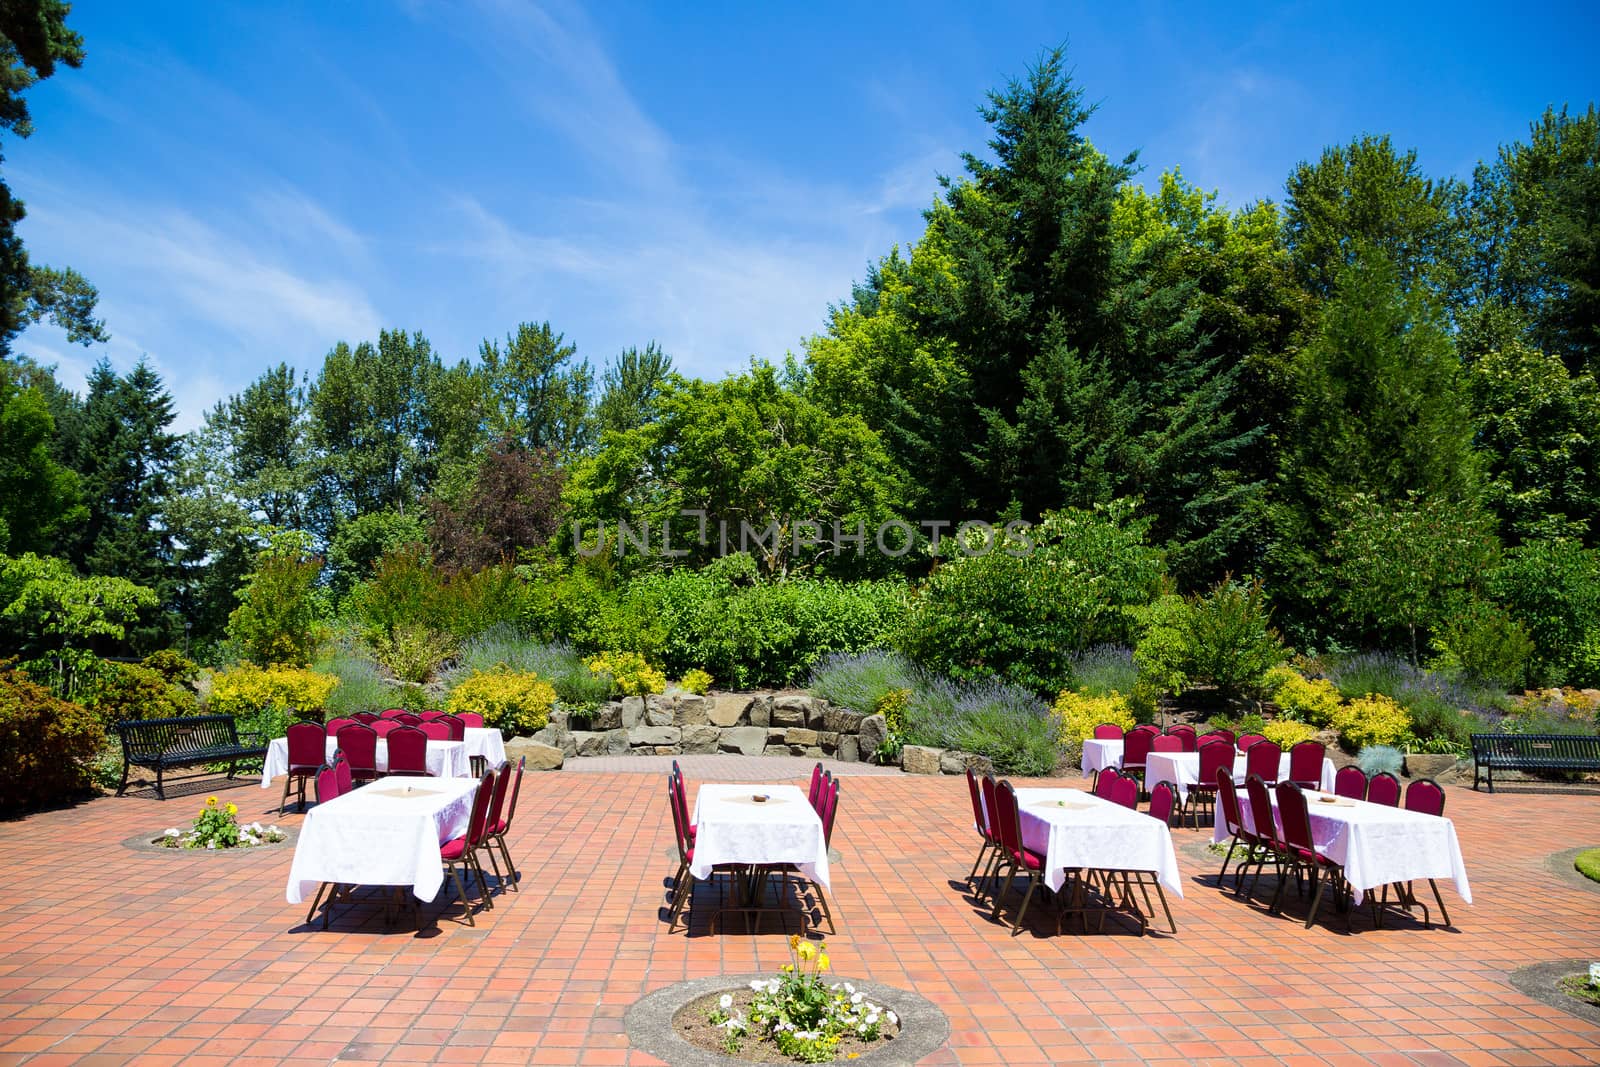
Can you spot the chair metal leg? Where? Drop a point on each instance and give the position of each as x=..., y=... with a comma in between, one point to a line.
x=511, y=868
x=982, y=853
x=461, y=890
x=1033, y=883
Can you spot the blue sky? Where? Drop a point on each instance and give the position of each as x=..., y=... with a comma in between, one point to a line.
x=250, y=183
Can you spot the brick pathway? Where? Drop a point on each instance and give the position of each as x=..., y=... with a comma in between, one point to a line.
x=112, y=956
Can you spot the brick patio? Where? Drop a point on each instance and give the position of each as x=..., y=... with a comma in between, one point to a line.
x=113, y=956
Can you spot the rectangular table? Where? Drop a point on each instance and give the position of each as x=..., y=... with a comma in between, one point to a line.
x=485, y=742
x=1182, y=769
x=385, y=833
x=445, y=759
x=1376, y=844
x=732, y=827
x=1072, y=829
x=1101, y=755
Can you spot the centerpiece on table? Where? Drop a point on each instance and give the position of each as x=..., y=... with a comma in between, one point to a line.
x=217, y=826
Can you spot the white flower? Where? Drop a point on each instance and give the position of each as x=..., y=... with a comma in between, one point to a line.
x=173, y=831
x=872, y=1020
x=726, y=1001
x=894, y=1020
x=848, y=988
x=858, y=998
x=211, y=844
x=758, y=985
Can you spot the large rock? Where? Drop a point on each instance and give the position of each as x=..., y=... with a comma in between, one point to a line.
x=692, y=711
x=817, y=714
x=556, y=735
x=841, y=720
x=760, y=711
x=828, y=741
x=849, y=749
x=790, y=710
x=727, y=709
x=609, y=716
x=781, y=750
x=874, y=732
x=700, y=740
x=1441, y=767
x=589, y=743
x=797, y=735
x=953, y=762
x=540, y=756
x=631, y=712
x=747, y=740
x=666, y=750
x=616, y=742
x=651, y=736
x=657, y=710
x=916, y=759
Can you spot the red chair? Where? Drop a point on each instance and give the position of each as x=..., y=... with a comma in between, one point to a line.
x=1300, y=852
x=1136, y=745
x=1125, y=791
x=1162, y=800
x=359, y=743
x=1426, y=796
x=408, y=752
x=830, y=808
x=335, y=725
x=1225, y=735
x=991, y=809
x=327, y=786
x=497, y=807
x=1383, y=788
x=458, y=729
x=463, y=850
x=1233, y=821
x=1269, y=847
x=1215, y=755
x=383, y=726
x=1263, y=758
x=1186, y=734
x=391, y=713
x=1108, y=731
x=1102, y=786
x=341, y=768
x=816, y=781
x=308, y=748
x=1249, y=739
x=498, y=830
x=1350, y=782
x=980, y=821
x=430, y=714
x=1305, y=764
x=1166, y=743
x=1016, y=858
x=365, y=717
x=408, y=719
x=436, y=730
x=470, y=719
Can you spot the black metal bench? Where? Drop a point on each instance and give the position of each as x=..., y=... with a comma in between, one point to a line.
x=1533, y=752
x=162, y=743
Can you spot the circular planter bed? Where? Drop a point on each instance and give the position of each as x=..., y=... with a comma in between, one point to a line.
x=1564, y=866
x=671, y=1025
x=152, y=842
x=1547, y=983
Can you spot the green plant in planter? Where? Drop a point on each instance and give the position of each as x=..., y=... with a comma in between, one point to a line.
x=217, y=827
x=1588, y=864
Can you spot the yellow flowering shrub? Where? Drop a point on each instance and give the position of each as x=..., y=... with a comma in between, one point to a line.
x=1079, y=713
x=1316, y=700
x=631, y=674
x=892, y=706
x=261, y=698
x=1286, y=733
x=695, y=681
x=1373, y=720
x=516, y=702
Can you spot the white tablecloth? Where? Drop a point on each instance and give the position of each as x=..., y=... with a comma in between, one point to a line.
x=1101, y=755
x=1183, y=770
x=371, y=837
x=485, y=742
x=445, y=759
x=1094, y=833
x=1376, y=844
x=731, y=827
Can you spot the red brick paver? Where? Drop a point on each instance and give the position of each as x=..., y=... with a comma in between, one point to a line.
x=114, y=956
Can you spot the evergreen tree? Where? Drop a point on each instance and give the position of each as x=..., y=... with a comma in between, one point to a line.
x=630, y=389
x=38, y=496
x=539, y=397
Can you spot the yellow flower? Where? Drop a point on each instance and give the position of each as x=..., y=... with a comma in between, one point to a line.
x=233, y=809
x=788, y=967
x=794, y=942
x=211, y=802
x=822, y=962
x=807, y=950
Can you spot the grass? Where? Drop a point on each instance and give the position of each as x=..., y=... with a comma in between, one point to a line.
x=1578, y=987
x=1588, y=864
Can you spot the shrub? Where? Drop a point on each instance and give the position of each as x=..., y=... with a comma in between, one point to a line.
x=361, y=684
x=1312, y=700
x=1412, y=687
x=413, y=652
x=1079, y=712
x=1552, y=588
x=1556, y=711
x=517, y=702
x=1250, y=723
x=406, y=589
x=1004, y=722
x=172, y=665
x=695, y=681
x=893, y=706
x=1021, y=611
x=1380, y=759
x=127, y=691
x=1286, y=733
x=1484, y=643
x=278, y=609
x=630, y=674
x=1161, y=656
x=860, y=680
x=576, y=686
x=1372, y=720
x=1104, y=669
x=48, y=746
x=1228, y=640
x=263, y=699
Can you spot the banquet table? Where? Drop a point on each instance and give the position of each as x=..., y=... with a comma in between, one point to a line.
x=1100, y=755
x=486, y=742
x=445, y=759
x=386, y=833
x=1376, y=844
x=1182, y=769
x=731, y=826
x=1074, y=829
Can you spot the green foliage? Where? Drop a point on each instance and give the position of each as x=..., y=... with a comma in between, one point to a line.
x=1587, y=863
x=695, y=681
x=1484, y=643
x=1372, y=720
x=264, y=700
x=559, y=664
x=629, y=672
x=360, y=543
x=1228, y=640
x=1377, y=759
x=1021, y=611
x=1286, y=733
x=1552, y=588
x=1003, y=722
x=126, y=691
x=406, y=589
x=278, y=610
x=47, y=746
x=1105, y=669
x=1078, y=713
x=861, y=681
x=630, y=389
x=413, y=653
x=43, y=604
x=539, y=397
x=361, y=684
x=1312, y=700
x=38, y=496
x=516, y=702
